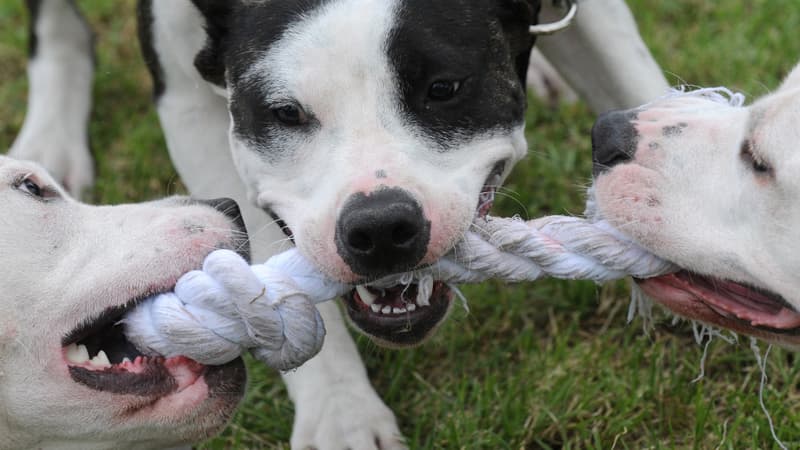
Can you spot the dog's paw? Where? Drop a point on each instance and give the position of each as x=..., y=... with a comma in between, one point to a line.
x=70, y=164
x=345, y=418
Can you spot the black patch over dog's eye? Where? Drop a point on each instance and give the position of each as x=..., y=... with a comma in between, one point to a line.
x=756, y=164
x=291, y=115
x=442, y=90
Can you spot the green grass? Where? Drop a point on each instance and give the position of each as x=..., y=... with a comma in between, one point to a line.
x=545, y=365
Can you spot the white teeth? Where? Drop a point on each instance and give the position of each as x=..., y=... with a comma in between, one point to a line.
x=376, y=308
x=423, y=300
x=100, y=359
x=398, y=310
x=77, y=354
x=424, y=291
x=386, y=309
x=126, y=360
x=366, y=296
x=411, y=307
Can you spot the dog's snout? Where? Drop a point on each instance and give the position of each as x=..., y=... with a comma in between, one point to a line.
x=230, y=208
x=382, y=233
x=614, y=140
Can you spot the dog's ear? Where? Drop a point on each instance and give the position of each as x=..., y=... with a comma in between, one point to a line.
x=792, y=81
x=517, y=16
x=210, y=60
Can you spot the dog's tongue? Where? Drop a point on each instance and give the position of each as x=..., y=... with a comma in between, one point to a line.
x=744, y=303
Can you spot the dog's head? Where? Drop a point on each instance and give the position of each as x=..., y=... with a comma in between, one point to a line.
x=714, y=188
x=374, y=130
x=69, y=271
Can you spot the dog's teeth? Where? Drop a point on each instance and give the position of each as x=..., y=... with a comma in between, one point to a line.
x=387, y=310
x=423, y=301
x=396, y=310
x=411, y=307
x=126, y=360
x=366, y=296
x=77, y=354
x=101, y=360
x=376, y=308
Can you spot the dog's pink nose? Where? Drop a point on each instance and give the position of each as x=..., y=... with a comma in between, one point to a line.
x=381, y=233
x=614, y=139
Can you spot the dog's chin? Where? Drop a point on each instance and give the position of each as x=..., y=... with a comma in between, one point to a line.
x=396, y=317
x=727, y=304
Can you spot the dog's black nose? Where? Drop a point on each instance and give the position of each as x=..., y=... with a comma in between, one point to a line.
x=230, y=208
x=382, y=233
x=614, y=140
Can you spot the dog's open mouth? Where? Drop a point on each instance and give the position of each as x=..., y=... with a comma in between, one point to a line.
x=100, y=357
x=398, y=316
x=404, y=315
x=721, y=302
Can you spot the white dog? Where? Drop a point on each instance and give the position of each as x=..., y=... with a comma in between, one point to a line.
x=371, y=131
x=714, y=188
x=69, y=271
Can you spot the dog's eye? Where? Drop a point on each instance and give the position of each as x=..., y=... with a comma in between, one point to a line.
x=442, y=90
x=27, y=185
x=291, y=115
x=30, y=186
x=756, y=164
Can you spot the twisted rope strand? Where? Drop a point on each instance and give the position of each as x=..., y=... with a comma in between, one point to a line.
x=215, y=314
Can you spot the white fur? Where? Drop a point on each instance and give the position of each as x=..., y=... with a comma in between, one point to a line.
x=65, y=262
x=693, y=199
x=59, y=98
x=602, y=56
x=335, y=403
x=196, y=122
x=334, y=61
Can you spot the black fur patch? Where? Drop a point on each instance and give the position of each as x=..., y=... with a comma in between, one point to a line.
x=144, y=16
x=482, y=45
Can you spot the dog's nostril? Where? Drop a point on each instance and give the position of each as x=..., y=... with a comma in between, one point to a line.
x=404, y=234
x=360, y=240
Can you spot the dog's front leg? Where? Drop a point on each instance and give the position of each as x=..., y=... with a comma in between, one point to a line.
x=603, y=57
x=336, y=406
x=60, y=72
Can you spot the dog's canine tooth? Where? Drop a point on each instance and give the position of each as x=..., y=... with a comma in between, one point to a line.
x=77, y=354
x=387, y=310
x=376, y=308
x=423, y=300
x=411, y=307
x=366, y=296
x=100, y=359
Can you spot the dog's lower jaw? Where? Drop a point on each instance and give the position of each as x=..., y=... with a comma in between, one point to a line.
x=399, y=319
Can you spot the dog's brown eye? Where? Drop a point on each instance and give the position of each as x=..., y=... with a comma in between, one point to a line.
x=442, y=90
x=757, y=165
x=291, y=115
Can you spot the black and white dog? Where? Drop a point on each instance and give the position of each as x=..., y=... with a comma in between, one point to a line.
x=371, y=132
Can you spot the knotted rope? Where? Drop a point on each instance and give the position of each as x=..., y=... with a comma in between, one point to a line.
x=228, y=307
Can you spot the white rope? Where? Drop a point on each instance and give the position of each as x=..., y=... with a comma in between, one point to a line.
x=227, y=308
x=216, y=313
